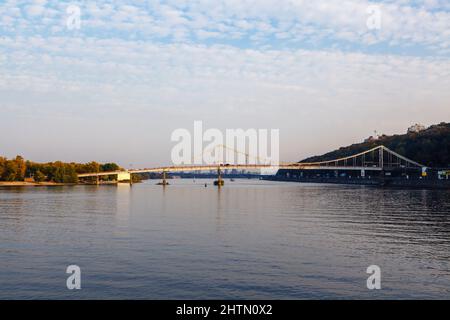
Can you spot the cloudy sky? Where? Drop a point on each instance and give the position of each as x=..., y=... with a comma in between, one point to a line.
x=114, y=87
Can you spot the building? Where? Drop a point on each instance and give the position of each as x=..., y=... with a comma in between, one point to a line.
x=444, y=174
x=416, y=128
x=370, y=139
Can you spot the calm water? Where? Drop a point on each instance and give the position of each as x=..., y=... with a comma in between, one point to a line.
x=252, y=239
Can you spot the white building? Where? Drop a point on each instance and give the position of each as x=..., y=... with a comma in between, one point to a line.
x=416, y=128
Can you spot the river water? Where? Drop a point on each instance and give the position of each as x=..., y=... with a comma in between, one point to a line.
x=248, y=240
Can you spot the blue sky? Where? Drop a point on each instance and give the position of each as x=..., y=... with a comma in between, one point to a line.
x=115, y=89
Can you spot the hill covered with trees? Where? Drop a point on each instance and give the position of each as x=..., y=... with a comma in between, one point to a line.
x=430, y=147
x=18, y=169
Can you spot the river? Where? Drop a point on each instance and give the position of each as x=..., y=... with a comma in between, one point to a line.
x=248, y=240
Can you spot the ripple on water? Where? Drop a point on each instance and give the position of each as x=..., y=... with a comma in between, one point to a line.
x=251, y=239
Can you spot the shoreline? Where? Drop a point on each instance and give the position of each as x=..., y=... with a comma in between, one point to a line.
x=11, y=184
x=376, y=182
x=32, y=184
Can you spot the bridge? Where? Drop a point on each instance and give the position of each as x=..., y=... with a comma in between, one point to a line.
x=376, y=159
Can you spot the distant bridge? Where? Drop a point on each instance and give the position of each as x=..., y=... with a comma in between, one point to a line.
x=377, y=159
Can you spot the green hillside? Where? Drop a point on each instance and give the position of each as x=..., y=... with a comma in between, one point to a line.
x=430, y=147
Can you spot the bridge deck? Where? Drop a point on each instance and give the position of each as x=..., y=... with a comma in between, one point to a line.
x=230, y=167
x=323, y=165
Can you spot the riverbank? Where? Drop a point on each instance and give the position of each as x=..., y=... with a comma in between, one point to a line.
x=386, y=182
x=31, y=184
x=12, y=184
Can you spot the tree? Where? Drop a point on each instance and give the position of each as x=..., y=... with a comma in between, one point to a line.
x=136, y=178
x=70, y=175
x=39, y=176
x=2, y=167
x=21, y=168
x=108, y=167
x=430, y=147
x=58, y=175
x=10, y=172
x=92, y=167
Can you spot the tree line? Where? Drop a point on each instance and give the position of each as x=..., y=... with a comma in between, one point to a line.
x=430, y=147
x=18, y=169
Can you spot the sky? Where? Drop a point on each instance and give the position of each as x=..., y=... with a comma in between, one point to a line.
x=111, y=80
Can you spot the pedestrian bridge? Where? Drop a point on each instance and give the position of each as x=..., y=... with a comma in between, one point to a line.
x=377, y=159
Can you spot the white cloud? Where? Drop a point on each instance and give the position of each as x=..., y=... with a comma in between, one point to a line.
x=294, y=65
x=205, y=77
x=423, y=23
x=34, y=10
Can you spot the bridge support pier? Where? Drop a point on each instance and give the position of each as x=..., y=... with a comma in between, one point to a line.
x=219, y=182
x=164, y=180
x=124, y=177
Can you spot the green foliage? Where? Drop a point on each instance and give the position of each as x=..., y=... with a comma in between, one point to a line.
x=430, y=147
x=12, y=170
x=17, y=169
x=2, y=166
x=107, y=167
x=39, y=176
x=136, y=178
x=93, y=167
x=20, y=168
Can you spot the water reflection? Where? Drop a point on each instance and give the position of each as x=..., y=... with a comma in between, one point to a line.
x=249, y=239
